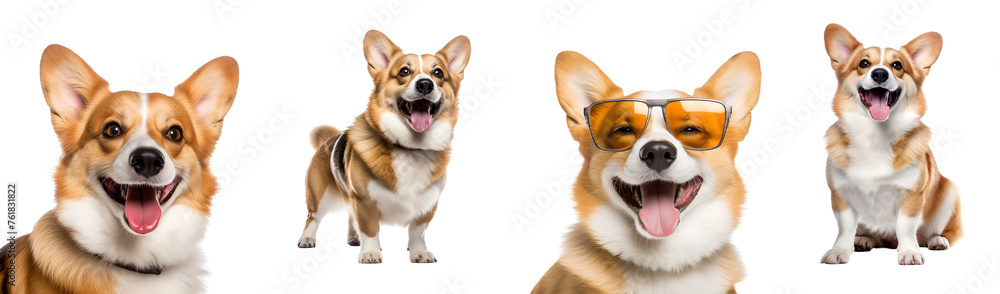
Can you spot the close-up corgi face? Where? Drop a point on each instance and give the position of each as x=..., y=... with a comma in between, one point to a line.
x=656, y=162
x=415, y=99
x=135, y=166
x=880, y=81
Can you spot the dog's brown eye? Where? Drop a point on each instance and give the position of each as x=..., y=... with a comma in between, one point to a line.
x=438, y=73
x=690, y=130
x=864, y=63
x=112, y=129
x=623, y=130
x=174, y=133
x=404, y=71
x=897, y=65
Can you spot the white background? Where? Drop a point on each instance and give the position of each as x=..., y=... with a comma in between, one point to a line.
x=513, y=158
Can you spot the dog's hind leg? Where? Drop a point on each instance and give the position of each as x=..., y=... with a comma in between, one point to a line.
x=352, y=233
x=942, y=223
x=322, y=196
x=865, y=240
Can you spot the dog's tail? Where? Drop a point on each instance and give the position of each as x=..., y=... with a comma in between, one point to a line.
x=321, y=134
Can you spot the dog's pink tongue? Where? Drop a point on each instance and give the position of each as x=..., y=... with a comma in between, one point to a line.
x=421, y=121
x=658, y=213
x=879, y=108
x=142, y=209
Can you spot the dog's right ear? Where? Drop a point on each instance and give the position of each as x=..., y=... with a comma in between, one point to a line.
x=580, y=83
x=839, y=45
x=379, y=51
x=69, y=85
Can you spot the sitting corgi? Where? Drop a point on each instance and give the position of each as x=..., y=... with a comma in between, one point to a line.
x=133, y=188
x=658, y=196
x=886, y=188
x=389, y=167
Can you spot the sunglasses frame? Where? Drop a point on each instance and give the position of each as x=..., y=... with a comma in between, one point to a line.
x=662, y=104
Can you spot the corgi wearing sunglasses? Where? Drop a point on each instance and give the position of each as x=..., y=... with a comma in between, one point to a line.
x=886, y=189
x=658, y=196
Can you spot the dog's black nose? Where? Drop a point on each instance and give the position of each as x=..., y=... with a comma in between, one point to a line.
x=146, y=161
x=658, y=155
x=425, y=86
x=879, y=75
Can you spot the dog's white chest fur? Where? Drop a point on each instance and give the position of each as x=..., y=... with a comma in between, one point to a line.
x=415, y=193
x=182, y=278
x=706, y=277
x=870, y=184
x=174, y=244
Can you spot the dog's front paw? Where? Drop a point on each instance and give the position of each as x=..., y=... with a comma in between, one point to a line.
x=422, y=257
x=910, y=257
x=307, y=242
x=373, y=256
x=863, y=243
x=938, y=243
x=836, y=256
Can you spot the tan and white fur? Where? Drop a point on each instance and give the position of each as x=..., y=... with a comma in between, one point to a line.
x=609, y=250
x=395, y=163
x=885, y=185
x=87, y=243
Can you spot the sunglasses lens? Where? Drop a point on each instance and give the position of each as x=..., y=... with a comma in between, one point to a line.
x=616, y=125
x=697, y=124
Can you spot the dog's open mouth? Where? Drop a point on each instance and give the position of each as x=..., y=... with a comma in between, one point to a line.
x=420, y=112
x=659, y=203
x=879, y=101
x=142, y=202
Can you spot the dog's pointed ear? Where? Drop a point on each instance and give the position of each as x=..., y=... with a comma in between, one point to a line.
x=840, y=44
x=379, y=50
x=580, y=83
x=210, y=92
x=737, y=83
x=924, y=50
x=456, y=53
x=69, y=85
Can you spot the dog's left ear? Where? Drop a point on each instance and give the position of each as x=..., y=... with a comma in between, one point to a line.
x=456, y=53
x=210, y=92
x=69, y=86
x=379, y=51
x=924, y=50
x=737, y=83
x=840, y=45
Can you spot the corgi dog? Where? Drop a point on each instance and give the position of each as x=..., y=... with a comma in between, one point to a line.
x=885, y=187
x=133, y=186
x=658, y=196
x=389, y=167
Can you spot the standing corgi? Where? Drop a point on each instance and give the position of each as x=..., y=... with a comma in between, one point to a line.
x=658, y=196
x=389, y=166
x=133, y=188
x=886, y=188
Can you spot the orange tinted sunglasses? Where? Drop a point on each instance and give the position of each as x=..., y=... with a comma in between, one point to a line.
x=698, y=123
